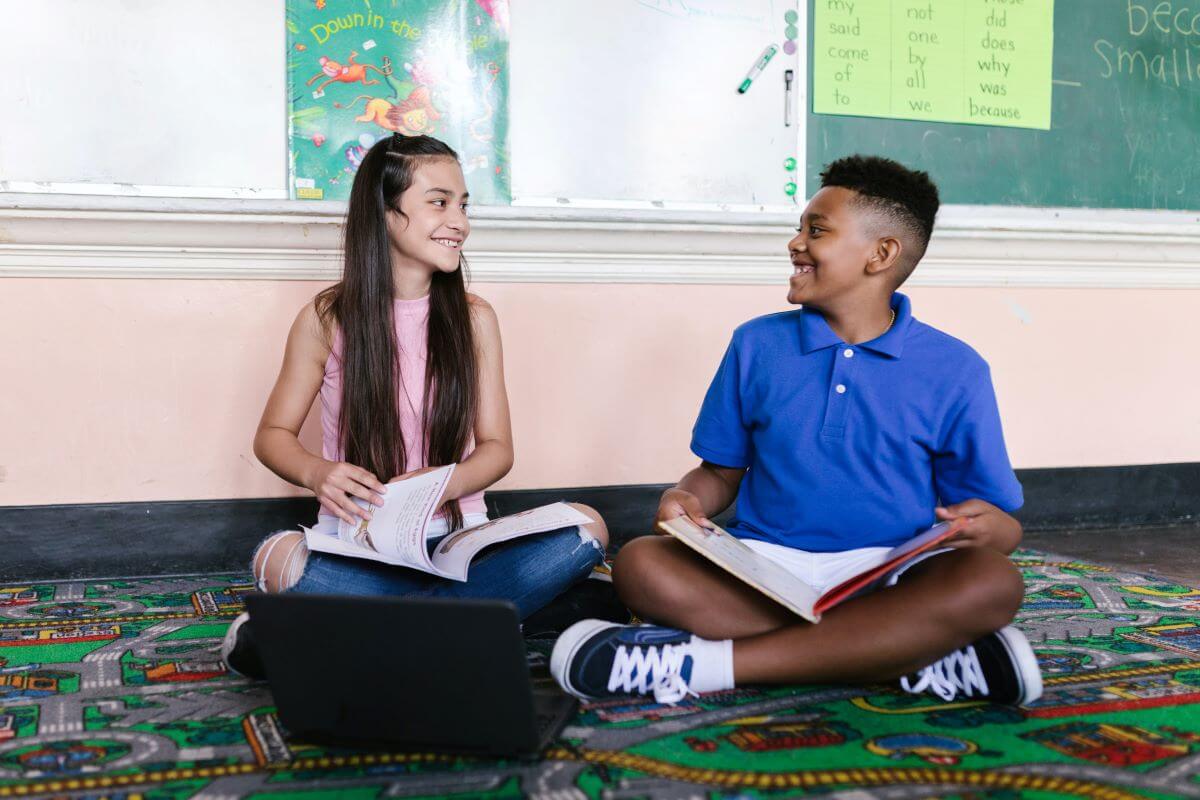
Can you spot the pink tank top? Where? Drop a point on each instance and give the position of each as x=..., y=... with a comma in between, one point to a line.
x=412, y=331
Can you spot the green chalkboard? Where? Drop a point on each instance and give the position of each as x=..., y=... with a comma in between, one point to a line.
x=1125, y=120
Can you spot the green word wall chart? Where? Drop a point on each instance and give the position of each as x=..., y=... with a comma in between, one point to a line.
x=360, y=70
x=984, y=62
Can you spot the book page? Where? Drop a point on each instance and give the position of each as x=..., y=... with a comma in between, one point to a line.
x=923, y=541
x=731, y=554
x=453, y=554
x=327, y=541
x=396, y=531
x=891, y=560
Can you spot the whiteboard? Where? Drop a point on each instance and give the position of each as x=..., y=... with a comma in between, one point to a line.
x=635, y=102
x=163, y=97
x=617, y=103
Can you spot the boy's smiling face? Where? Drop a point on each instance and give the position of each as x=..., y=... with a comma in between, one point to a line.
x=831, y=249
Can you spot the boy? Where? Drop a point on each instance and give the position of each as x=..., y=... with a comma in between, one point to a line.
x=842, y=429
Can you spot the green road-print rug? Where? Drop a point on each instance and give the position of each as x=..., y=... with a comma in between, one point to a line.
x=114, y=688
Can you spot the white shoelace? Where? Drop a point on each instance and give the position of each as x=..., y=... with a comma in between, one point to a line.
x=633, y=667
x=958, y=672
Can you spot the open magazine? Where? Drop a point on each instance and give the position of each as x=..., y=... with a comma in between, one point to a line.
x=398, y=530
x=734, y=556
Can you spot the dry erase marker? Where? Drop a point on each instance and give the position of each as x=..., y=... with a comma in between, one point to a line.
x=767, y=54
x=788, y=76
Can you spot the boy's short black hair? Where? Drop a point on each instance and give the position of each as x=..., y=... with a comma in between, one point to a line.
x=908, y=197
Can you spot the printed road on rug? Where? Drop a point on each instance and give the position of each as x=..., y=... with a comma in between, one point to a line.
x=114, y=688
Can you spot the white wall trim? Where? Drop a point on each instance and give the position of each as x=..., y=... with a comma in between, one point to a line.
x=118, y=237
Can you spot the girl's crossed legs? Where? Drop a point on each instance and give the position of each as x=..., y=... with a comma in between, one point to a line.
x=530, y=571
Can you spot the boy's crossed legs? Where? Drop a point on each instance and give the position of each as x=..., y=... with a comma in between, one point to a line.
x=939, y=606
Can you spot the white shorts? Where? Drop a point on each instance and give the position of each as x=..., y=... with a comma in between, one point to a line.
x=823, y=571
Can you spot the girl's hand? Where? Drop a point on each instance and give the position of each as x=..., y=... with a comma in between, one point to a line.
x=987, y=526
x=335, y=482
x=679, y=503
x=413, y=474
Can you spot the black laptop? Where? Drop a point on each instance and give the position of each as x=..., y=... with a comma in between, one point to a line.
x=432, y=674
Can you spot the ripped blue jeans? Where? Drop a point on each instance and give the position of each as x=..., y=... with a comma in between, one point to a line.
x=530, y=572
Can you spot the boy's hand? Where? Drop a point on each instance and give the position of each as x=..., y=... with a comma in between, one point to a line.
x=678, y=503
x=987, y=526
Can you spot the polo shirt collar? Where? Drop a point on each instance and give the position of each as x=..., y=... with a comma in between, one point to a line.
x=815, y=333
x=892, y=342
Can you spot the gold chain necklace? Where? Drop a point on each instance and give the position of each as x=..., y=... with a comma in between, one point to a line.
x=891, y=322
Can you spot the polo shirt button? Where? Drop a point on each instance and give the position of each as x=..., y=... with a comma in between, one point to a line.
x=848, y=353
x=841, y=389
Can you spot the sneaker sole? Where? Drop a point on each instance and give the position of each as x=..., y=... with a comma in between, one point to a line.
x=1029, y=675
x=568, y=645
x=230, y=639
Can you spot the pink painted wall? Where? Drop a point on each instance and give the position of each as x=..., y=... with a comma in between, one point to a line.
x=124, y=390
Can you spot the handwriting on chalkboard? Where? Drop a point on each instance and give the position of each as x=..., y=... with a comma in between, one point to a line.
x=1166, y=46
x=982, y=61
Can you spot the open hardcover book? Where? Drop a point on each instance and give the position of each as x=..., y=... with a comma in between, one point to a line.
x=734, y=556
x=398, y=530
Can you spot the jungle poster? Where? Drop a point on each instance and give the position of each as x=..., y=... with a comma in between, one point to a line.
x=359, y=70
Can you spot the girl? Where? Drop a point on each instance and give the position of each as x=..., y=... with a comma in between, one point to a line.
x=409, y=369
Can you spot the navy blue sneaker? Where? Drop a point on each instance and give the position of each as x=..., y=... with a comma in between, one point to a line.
x=239, y=652
x=1000, y=668
x=595, y=659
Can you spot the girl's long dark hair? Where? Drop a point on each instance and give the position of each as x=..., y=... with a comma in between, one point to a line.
x=361, y=305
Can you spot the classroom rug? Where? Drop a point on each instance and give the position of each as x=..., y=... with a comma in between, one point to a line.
x=114, y=688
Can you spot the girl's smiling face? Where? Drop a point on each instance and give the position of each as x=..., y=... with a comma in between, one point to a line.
x=431, y=225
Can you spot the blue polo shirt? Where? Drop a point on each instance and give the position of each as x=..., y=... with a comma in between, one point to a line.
x=852, y=445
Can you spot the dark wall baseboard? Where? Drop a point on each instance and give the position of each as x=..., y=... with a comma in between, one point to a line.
x=1110, y=497
x=162, y=538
